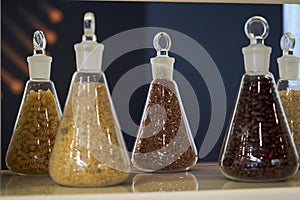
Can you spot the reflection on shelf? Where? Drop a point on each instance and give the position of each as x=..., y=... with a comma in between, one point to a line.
x=44, y=185
x=96, y=190
x=164, y=182
x=292, y=182
x=28, y=185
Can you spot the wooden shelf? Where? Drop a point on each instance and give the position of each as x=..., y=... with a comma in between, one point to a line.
x=219, y=1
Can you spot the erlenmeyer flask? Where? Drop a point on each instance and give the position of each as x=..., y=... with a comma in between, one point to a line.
x=289, y=85
x=89, y=149
x=38, y=118
x=164, y=141
x=258, y=146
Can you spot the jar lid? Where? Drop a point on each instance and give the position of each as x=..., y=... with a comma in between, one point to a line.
x=89, y=52
x=162, y=64
x=256, y=55
x=288, y=63
x=39, y=63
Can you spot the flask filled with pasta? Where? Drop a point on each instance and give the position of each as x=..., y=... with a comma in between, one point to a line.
x=89, y=150
x=38, y=118
x=289, y=85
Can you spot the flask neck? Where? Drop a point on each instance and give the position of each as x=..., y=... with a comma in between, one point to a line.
x=89, y=56
x=39, y=67
x=162, y=67
x=257, y=58
x=288, y=67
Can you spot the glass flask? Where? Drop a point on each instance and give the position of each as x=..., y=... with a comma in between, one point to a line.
x=289, y=85
x=258, y=145
x=38, y=118
x=89, y=149
x=164, y=141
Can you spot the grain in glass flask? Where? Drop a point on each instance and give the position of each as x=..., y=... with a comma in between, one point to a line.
x=164, y=141
x=89, y=150
x=39, y=116
x=289, y=85
x=258, y=145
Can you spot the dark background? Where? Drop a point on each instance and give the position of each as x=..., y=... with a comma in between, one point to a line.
x=217, y=27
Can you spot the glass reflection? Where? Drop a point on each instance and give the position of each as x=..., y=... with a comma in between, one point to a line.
x=28, y=185
x=164, y=182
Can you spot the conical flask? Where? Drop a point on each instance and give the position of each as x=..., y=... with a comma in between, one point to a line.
x=89, y=149
x=164, y=141
x=258, y=145
x=38, y=118
x=289, y=85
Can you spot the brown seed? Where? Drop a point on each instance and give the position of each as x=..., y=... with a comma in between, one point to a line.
x=167, y=148
x=260, y=147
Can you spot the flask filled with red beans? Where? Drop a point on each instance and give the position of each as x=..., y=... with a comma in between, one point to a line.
x=258, y=145
x=164, y=142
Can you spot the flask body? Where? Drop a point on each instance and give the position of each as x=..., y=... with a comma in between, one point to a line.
x=258, y=146
x=164, y=141
x=289, y=92
x=35, y=129
x=89, y=150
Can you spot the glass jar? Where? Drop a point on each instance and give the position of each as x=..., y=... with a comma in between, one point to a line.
x=289, y=85
x=258, y=145
x=38, y=118
x=89, y=150
x=164, y=141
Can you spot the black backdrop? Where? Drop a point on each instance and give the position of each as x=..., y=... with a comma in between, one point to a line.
x=218, y=28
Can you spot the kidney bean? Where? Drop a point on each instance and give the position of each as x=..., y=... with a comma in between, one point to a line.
x=260, y=145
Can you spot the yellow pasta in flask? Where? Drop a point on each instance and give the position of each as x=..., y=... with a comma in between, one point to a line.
x=33, y=137
x=38, y=118
x=289, y=85
x=89, y=150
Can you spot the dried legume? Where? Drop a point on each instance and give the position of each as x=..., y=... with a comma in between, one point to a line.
x=258, y=145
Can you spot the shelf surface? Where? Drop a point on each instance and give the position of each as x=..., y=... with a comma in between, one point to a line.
x=202, y=182
x=221, y=1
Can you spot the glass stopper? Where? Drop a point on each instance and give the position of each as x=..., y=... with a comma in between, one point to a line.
x=162, y=43
x=89, y=27
x=39, y=42
x=287, y=43
x=257, y=29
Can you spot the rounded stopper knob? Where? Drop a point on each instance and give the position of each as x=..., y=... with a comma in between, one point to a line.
x=39, y=42
x=287, y=43
x=162, y=43
x=257, y=29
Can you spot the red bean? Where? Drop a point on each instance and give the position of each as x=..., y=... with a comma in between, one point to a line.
x=260, y=147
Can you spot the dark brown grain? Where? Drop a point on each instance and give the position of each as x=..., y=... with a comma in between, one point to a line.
x=172, y=132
